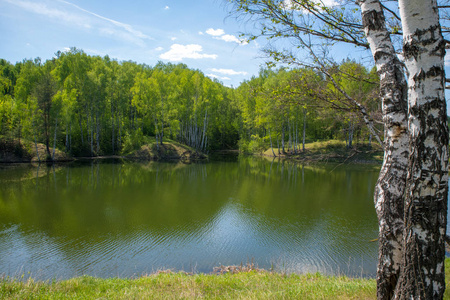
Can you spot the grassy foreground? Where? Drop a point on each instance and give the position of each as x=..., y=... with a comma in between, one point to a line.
x=167, y=285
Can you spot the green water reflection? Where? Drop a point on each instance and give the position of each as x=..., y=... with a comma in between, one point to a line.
x=125, y=219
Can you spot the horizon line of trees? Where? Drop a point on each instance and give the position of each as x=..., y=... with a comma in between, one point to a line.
x=90, y=105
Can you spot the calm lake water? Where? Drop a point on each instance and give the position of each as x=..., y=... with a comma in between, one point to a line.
x=127, y=219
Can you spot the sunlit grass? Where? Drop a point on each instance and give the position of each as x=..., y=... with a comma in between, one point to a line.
x=248, y=284
x=332, y=151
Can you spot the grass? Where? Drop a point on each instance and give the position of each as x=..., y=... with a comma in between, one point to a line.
x=244, y=284
x=334, y=151
x=168, y=150
x=248, y=285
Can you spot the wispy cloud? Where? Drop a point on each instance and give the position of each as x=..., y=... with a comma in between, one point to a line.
x=118, y=24
x=42, y=8
x=178, y=52
x=219, y=34
x=166, y=7
x=228, y=72
x=82, y=18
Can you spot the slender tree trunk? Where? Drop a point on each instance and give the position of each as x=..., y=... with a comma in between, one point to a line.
x=304, y=130
x=296, y=150
x=112, y=135
x=35, y=143
x=156, y=134
x=422, y=269
x=390, y=187
x=54, y=139
x=119, y=137
x=271, y=145
x=70, y=137
x=97, y=135
x=204, y=130
x=81, y=130
x=290, y=136
x=67, y=138
x=350, y=135
x=91, y=132
x=278, y=145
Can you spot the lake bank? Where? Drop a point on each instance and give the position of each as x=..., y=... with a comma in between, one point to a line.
x=250, y=284
x=332, y=151
x=12, y=152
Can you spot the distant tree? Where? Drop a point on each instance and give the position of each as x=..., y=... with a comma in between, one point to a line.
x=43, y=91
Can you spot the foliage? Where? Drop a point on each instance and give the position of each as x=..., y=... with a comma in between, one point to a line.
x=89, y=105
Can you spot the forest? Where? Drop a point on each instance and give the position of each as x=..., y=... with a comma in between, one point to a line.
x=90, y=106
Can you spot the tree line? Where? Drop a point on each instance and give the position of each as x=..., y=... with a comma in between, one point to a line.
x=90, y=105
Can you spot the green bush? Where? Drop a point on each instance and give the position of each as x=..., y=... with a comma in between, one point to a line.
x=133, y=141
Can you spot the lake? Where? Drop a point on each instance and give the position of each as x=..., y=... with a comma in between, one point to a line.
x=126, y=219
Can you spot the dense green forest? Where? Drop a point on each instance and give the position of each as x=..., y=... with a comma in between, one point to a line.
x=90, y=105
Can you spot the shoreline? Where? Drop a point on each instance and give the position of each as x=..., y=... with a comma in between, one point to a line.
x=245, y=283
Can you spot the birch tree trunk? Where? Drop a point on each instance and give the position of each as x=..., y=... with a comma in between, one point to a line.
x=422, y=267
x=54, y=140
x=304, y=130
x=271, y=145
x=391, y=183
x=35, y=142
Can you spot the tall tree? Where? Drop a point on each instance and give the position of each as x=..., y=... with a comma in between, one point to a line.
x=44, y=91
x=402, y=227
x=422, y=266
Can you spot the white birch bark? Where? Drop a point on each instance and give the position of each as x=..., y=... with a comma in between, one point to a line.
x=54, y=139
x=422, y=268
x=304, y=130
x=35, y=142
x=391, y=183
x=271, y=145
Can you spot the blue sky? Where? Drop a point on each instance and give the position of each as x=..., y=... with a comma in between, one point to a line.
x=197, y=33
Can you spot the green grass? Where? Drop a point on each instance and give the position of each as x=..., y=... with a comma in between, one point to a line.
x=334, y=151
x=167, y=285
x=248, y=285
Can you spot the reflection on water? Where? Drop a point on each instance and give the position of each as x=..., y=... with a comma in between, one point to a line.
x=127, y=219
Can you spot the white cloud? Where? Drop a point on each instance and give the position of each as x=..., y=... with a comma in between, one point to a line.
x=166, y=7
x=173, y=38
x=215, y=32
x=159, y=49
x=228, y=72
x=230, y=38
x=218, y=77
x=178, y=52
x=219, y=34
